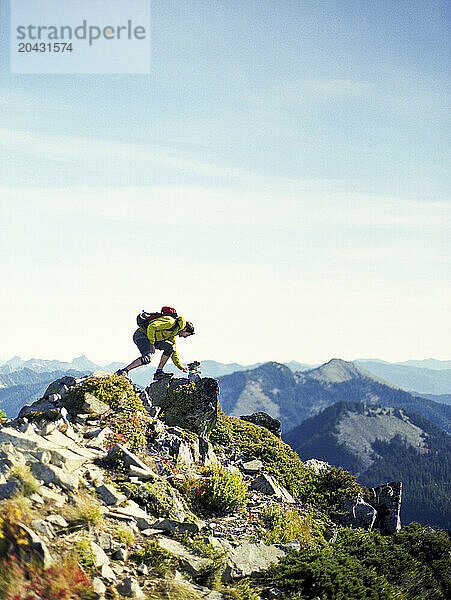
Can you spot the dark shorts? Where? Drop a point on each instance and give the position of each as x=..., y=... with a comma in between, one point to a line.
x=143, y=343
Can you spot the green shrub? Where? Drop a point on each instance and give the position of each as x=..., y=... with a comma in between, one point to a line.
x=329, y=489
x=360, y=565
x=431, y=549
x=219, y=490
x=160, y=561
x=125, y=536
x=29, y=482
x=85, y=555
x=129, y=428
x=286, y=524
x=324, y=574
x=114, y=390
x=209, y=576
x=157, y=498
x=280, y=460
x=243, y=590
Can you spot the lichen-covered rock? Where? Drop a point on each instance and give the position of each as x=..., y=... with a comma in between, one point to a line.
x=250, y=560
x=190, y=405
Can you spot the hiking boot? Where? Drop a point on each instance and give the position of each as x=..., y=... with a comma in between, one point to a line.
x=161, y=375
x=123, y=373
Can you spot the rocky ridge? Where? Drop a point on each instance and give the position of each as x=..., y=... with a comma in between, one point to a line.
x=74, y=460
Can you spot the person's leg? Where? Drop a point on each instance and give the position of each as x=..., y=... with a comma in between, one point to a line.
x=144, y=346
x=168, y=349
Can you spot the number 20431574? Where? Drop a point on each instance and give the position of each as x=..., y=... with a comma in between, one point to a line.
x=42, y=47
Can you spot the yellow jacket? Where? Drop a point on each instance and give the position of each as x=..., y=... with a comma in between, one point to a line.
x=166, y=328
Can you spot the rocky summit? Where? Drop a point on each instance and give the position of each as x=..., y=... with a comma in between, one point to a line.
x=109, y=490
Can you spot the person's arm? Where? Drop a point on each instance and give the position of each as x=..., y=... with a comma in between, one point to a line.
x=176, y=360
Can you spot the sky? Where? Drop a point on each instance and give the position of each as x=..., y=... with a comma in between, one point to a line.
x=279, y=177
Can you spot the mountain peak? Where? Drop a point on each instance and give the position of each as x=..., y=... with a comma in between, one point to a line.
x=337, y=371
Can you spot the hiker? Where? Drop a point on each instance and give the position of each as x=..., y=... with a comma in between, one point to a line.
x=159, y=334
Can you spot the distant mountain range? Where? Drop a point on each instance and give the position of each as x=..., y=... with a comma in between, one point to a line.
x=294, y=397
x=430, y=379
x=34, y=373
x=384, y=444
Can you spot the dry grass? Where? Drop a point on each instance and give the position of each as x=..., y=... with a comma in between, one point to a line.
x=86, y=511
x=29, y=482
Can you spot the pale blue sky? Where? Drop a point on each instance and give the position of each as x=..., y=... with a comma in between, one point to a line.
x=280, y=177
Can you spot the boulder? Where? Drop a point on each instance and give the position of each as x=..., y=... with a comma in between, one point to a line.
x=264, y=420
x=250, y=560
x=172, y=526
x=192, y=406
x=35, y=547
x=252, y=467
x=93, y=405
x=99, y=556
x=128, y=458
x=266, y=485
x=60, y=386
x=12, y=487
x=207, y=455
x=130, y=588
x=52, y=474
x=387, y=502
x=43, y=527
x=109, y=495
x=193, y=564
x=100, y=438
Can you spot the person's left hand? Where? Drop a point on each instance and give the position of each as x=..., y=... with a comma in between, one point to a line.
x=185, y=369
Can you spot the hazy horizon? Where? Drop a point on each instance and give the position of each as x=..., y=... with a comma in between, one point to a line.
x=280, y=178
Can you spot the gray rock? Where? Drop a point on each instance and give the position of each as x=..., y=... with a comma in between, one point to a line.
x=110, y=495
x=100, y=558
x=99, y=587
x=100, y=439
x=317, y=465
x=107, y=573
x=142, y=569
x=57, y=520
x=36, y=546
x=121, y=554
x=12, y=487
x=67, y=459
x=130, y=588
x=93, y=405
x=387, y=502
x=129, y=458
x=151, y=532
x=207, y=455
x=264, y=420
x=60, y=386
x=53, y=496
x=172, y=526
x=53, y=474
x=104, y=540
x=193, y=564
x=143, y=474
x=253, y=467
x=266, y=485
x=360, y=514
x=195, y=409
x=43, y=527
x=250, y=560
x=133, y=511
